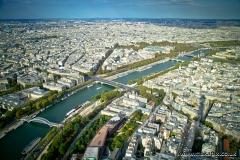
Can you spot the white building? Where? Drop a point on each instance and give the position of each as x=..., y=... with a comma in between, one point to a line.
x=54, y=86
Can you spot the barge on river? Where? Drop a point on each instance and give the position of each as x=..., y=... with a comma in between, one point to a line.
x=31, y=145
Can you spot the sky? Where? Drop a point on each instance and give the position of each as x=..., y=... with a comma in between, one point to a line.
x=188, y=9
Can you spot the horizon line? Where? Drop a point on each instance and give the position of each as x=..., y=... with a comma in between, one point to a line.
x=116, y=18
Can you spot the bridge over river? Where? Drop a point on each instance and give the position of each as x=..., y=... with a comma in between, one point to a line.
x=40, y=120
x=177, y=60
x=113, y=83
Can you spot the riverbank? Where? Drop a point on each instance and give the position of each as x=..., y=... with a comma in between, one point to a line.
x=148, y=66
x=17, y=123
x=142, y=68
x=55, y=113
x=88, y=85
x=14, y=125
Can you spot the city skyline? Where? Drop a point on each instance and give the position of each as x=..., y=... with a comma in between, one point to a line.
x=189, y=9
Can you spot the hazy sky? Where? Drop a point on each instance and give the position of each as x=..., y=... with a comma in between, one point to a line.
x=207, y=9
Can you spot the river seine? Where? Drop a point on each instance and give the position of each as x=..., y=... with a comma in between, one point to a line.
x=16, y=140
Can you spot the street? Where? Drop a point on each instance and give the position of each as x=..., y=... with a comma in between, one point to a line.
x=79, y=134
x=220, y=148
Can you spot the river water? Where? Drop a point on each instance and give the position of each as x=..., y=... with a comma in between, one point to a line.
x=156, y=68
x=15, y=141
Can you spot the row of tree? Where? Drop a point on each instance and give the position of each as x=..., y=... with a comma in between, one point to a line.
x=88, y=134
x=210, y=53
x=64, y=138
x=105, y=96
x=224, y=43
x=140, y=80
x=208, y=124
x=100, y=71
x=178, y=47
x=236, y=61
x=62, y=141
x=157, y=57
x=186, y=114
x=49, y=136
x=119, y=139
x=37, y=104
x=27, y=109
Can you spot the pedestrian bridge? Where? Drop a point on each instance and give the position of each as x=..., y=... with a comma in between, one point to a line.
x=40, y=120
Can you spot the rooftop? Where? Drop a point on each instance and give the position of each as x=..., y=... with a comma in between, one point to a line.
x=100, y=137
x=91, y=152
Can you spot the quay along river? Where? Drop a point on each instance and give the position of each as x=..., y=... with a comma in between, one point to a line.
x=16, y=140
x=155, y=68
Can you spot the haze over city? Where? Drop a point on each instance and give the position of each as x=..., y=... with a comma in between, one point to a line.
x=197, y=9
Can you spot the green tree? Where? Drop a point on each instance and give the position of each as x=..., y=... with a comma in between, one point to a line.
x=81, y=148
x=220, y=134
x=60, y=94
x=209, y=124
x=117, y=88
x=9, y=114
x=39, y=106
x=78, y=118
x=86, y=118
x=96, y=97
x=90, y=73
x=172, y=134
x=118, y=144
x=76, y=126
x=127, y=133
x=38, y=69
x=19, y=114
x=62, y=149
x=47, y=156
x=230, y=137
x=195, y=118
x=139, y=82
x=45, y=102
x=29, y=103
x=31, y=155
x=68, y=128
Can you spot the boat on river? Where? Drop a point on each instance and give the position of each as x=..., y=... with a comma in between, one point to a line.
x=64, y=98
x=71, y=111
x=78, y=106
x=121, y=75
x=31, y=145
x=89, y=86
x=2, y=135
